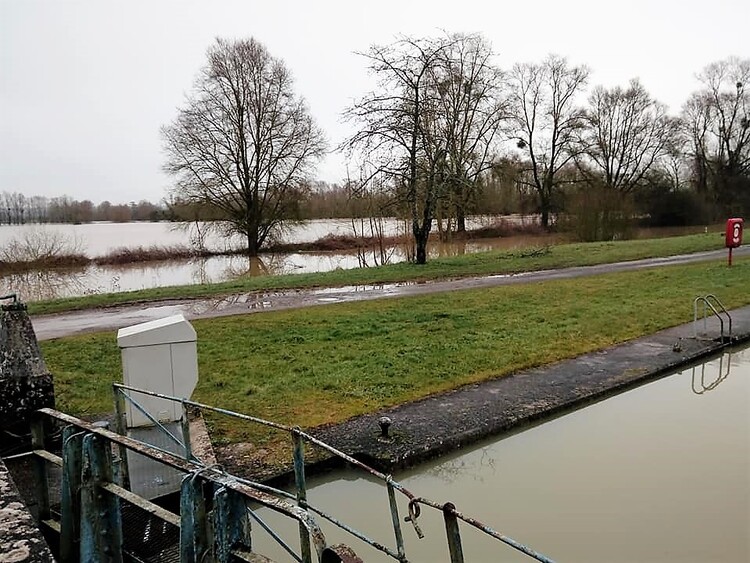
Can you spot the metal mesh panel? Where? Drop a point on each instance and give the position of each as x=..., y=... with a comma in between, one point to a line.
x=148, y=538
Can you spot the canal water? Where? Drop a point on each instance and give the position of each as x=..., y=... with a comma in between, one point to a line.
x=660, y=474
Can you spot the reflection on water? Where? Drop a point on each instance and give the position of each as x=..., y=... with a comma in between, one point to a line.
x=34, y=286
x=703, y=382
x=37, y=286
x=656, y=474
x=106, y=279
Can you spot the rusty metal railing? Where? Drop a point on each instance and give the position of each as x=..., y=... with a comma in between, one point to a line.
x=90, y=522
x=451, y=516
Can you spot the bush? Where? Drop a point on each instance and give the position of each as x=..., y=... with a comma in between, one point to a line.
x=596, y=213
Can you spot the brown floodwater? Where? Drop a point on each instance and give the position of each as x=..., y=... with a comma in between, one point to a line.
x=99, y=238
x=660, y=474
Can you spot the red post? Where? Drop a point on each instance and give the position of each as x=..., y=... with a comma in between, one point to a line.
x=733, y=235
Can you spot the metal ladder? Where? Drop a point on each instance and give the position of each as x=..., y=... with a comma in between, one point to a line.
x=712, y=303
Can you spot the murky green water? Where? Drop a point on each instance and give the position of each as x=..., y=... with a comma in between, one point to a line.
x=658, y=474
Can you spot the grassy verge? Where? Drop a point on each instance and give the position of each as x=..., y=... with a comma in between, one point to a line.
x=486, y=263
x=326, y=364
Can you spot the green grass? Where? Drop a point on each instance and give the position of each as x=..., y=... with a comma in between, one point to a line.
x=324, y=364
x=486, y=263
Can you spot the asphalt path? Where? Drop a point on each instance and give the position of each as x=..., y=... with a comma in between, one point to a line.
x=112, y=318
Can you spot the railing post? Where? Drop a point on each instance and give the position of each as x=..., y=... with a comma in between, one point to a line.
x=395, y=519
x=453, y=534
x=101, y=522
x=121, y=427
x=185, y=422
x=41, y=474
x=231, y=525
x=70, y=494
x=299, y=478
x=194, y=537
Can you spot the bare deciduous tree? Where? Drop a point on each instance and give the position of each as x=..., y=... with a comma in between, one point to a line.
x=398, y=133
x=546, y=122
x=430, y=125
x=471, y=111
x=717, y=119
x=244, y=143
x=627, y=134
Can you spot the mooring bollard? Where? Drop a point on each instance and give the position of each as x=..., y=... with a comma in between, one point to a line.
x=25, y=383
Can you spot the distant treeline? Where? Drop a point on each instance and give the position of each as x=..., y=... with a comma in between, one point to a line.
x=661, y=200
x=18, y=209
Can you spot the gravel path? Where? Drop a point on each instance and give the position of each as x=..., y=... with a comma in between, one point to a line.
x=112, y=318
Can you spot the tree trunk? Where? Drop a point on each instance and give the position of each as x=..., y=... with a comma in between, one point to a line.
x=252, y=242
x=421, y=251
x=421, y=235
x=460, y=219
x=545, y=216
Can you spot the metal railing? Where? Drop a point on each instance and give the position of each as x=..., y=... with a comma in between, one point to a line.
x=299, y=439
x=711, y=302
x=214, y=520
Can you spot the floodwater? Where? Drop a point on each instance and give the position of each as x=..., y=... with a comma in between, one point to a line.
x=98, y=239
x=660, y=473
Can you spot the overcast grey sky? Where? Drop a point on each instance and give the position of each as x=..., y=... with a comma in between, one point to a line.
x=86, y=85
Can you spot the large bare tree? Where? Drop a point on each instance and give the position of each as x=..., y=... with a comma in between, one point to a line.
x=398, y=133
x=546, y=121
x=717, y=120
x=244, y=143
x=627, y=134
x=472, y=109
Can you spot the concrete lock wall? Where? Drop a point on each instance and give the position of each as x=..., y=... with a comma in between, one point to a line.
x=25, y=383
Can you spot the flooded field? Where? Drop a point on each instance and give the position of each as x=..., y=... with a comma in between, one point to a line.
x=100, y=238
x=658, y=474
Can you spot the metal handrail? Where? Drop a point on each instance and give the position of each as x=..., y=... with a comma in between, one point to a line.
x=451, y=515
x=707, y=304
x=718, y=302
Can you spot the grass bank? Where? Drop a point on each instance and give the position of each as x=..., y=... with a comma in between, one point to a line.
x=326, y=364
x=486, y=263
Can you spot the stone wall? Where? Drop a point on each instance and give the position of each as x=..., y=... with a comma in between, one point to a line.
x=20, y=539
x=25, y=383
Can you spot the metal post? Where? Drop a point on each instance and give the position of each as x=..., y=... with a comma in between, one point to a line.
x=121, y=427
x=395, y=519
x=40, y=468
x=231, y=525
x=730, y=255
x=185, y=422
x=70, y=495
x=299, y=478
x=194, y=537
x=453, y=534
x=101, y=521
